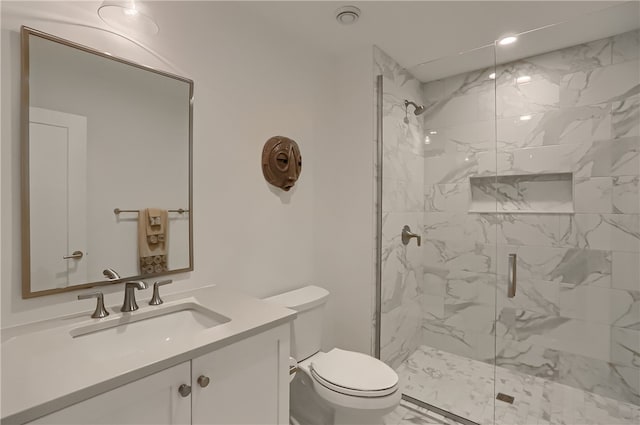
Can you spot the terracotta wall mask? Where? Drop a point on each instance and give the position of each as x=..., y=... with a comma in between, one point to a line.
x=281, y=162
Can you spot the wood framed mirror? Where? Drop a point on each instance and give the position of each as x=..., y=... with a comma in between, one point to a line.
x=103, y=138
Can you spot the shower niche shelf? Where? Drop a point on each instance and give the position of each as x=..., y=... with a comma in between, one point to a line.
x=522, y=194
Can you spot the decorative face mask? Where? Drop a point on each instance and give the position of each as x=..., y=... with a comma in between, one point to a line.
x=281, y=162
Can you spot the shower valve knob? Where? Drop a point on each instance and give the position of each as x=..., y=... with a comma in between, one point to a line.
x=407, y=235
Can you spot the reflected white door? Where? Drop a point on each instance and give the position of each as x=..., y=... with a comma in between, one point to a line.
x=58, y=198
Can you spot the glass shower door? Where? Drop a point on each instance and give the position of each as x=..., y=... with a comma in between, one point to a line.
x=568, y=229
x=437, y=172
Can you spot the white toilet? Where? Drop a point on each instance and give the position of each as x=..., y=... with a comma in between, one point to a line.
x=338, y=387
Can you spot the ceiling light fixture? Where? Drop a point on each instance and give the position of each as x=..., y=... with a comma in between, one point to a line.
x=507, y=40
x=492, y=76
x=130, y=12
x=347, y=15
x=128, y=16
x=523, y=79
x=525, y=117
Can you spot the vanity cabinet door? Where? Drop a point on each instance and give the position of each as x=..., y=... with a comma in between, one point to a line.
x=150, y=400
x=248, y=382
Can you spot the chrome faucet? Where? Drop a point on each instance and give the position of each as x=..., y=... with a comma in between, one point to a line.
x=130, y=295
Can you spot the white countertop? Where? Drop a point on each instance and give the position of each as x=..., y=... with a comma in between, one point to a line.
x=43, y=370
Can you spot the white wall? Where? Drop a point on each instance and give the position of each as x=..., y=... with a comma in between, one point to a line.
x=251, y=83
x=344, y=189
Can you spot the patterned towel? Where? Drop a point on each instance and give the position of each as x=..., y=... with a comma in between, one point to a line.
x=153, y=232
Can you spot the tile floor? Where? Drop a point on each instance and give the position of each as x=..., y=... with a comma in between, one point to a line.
x=466, y=387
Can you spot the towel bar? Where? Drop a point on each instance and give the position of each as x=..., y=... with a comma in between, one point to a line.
x=117, y=211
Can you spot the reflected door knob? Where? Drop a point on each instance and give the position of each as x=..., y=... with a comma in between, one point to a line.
x=184, y=390
x=203, y=381
x=75, y=255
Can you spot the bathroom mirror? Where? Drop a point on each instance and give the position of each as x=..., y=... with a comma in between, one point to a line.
x=103, y=140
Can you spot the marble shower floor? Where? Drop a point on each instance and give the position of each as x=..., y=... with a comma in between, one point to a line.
x=466, y=387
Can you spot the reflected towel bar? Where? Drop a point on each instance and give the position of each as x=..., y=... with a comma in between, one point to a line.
x=117, y=211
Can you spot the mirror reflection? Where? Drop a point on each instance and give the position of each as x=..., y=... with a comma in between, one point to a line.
x=107, y=152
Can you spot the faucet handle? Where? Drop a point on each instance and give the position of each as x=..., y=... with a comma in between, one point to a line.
x=100, y=311
x=155, y=299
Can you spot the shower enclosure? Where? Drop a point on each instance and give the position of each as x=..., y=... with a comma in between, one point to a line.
x=521, y=304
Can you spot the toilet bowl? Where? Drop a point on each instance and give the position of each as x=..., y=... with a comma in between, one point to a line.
x=359, y=388
x=339, y=386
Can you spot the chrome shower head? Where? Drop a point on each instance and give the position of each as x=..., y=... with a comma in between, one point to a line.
x=419, y=109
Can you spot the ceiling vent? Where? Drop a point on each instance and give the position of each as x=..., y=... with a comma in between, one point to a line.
x=347, y=15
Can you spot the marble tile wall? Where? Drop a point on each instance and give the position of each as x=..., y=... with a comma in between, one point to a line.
x=402, y=204
x=576, y=317
x=459, y=248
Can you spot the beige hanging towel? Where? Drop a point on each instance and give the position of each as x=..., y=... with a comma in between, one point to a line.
x=153, y=235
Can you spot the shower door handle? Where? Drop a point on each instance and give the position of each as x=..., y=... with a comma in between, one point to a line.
x=512, y=276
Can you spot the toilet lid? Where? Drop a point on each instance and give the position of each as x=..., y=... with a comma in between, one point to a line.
x=354, y=373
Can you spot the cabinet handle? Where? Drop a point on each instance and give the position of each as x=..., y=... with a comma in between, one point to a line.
x=184, y=390
x=203, y=381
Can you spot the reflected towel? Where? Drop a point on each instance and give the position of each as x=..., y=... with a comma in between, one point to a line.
x=156, y=221
x=153, y=241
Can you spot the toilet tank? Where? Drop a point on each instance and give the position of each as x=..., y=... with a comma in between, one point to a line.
x=306, y=330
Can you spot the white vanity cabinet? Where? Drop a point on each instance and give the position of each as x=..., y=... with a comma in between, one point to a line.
x=246, y=382
x=150, y=400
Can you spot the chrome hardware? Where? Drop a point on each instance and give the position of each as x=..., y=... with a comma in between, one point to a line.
x=130, y=295
x=100, y=310
x=111, y=274
x=117, y=211
x=184, y=390
x=75, y=255
x=407, y=234
x=506, y=398
x=511, y=277
x=155, y=299
x=203, y=381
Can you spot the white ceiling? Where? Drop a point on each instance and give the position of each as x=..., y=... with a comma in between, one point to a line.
x=412, y=32
x=415, y=32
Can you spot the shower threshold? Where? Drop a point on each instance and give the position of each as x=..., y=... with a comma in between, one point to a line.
x=445, y=413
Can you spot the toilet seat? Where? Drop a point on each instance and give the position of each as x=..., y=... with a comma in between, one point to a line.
x=354, y=374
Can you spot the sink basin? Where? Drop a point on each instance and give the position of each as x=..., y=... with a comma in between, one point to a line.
x=152, y=325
